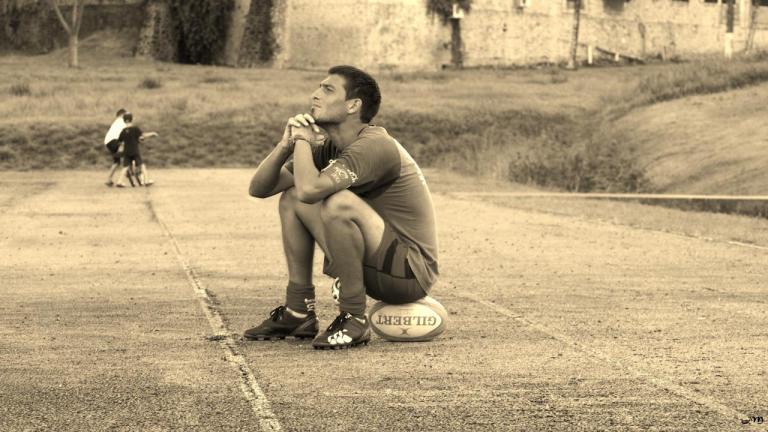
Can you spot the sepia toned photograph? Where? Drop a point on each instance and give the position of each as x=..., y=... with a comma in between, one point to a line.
x=383, y=215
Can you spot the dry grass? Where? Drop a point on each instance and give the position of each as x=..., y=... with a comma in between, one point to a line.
x=20, y=89
x=704, y=76
x=544, y=126
x=703, y=144
x=473, y=120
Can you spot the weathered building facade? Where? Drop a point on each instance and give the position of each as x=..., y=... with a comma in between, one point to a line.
x=399, y=34
x=402, y=35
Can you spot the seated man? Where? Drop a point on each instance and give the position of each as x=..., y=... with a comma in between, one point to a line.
x=361, y=197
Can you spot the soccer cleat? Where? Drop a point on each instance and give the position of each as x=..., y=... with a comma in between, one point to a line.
x=149, y=183
x=120, y=185
x=110, y=183
x=344, y=332
x=281, y=324
x=335, y=290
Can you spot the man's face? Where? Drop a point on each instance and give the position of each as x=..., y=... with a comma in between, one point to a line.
x=328, y=101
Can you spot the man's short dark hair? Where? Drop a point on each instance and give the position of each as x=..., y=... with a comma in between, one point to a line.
x=120, y=112
x=360, y=85
x=127, y=117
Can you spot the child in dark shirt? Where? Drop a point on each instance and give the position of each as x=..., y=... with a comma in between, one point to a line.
x=130, y=138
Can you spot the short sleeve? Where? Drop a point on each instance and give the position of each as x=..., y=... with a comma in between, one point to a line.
x=364, y=162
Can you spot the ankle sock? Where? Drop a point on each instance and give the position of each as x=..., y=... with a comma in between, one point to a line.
x=297, y=314
x=300, y=298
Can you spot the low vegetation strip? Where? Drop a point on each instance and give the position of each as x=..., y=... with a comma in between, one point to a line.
x=688, y=79
x=238, y=120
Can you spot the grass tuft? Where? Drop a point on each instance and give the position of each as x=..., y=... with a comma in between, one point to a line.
x=215, y=79
x=150, y=83
x=20, y=89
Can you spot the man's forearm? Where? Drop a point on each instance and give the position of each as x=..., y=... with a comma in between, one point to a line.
x=268, y=172
x=305, y=173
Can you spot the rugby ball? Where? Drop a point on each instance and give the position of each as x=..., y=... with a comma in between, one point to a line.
x=419, y=321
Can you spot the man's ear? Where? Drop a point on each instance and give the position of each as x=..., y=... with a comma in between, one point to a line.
x=354, y=106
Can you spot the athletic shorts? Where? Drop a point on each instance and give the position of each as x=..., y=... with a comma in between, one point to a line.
x=127, y=159
x=390, y=278
x=112, y=147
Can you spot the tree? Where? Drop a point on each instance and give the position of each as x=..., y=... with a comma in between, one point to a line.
x=72, y=28
x=754, y=8
x=730, y=12
x=575, y=34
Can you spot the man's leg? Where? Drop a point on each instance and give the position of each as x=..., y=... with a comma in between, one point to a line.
x=301, y=228
x=353, y=232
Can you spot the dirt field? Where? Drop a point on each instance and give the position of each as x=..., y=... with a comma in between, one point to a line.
x=122, y=309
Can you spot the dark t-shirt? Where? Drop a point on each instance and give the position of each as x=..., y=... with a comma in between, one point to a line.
x=130, y=137
x=390, y=181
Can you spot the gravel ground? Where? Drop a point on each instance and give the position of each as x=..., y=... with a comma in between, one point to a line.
x=556, y=322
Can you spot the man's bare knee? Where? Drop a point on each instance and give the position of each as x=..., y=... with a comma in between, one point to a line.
x=288, y=200
x=340, y=205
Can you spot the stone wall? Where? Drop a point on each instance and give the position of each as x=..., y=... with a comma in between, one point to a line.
x=498, y=32
x=381, y=34
x=398, y=34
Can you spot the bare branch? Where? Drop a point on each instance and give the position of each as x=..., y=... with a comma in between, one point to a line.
x=80, y=8
x=61, y=17
x=73, y=19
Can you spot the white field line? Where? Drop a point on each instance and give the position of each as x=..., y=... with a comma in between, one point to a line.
x=657, y=381
x=248, y=384
x=747, y=245
x=629, y=196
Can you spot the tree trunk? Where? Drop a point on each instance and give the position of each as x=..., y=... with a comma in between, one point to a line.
x=575, y=35
x=457, y=57
x=729, y=30
x=73, y=44
x=755, y=6
x=72, y=28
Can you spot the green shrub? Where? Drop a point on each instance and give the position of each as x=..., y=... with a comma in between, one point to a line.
x=259, y=43
x=150, y=83
x=201, y=26
x=20, y=89
x=8, y=156
x=594, y=166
